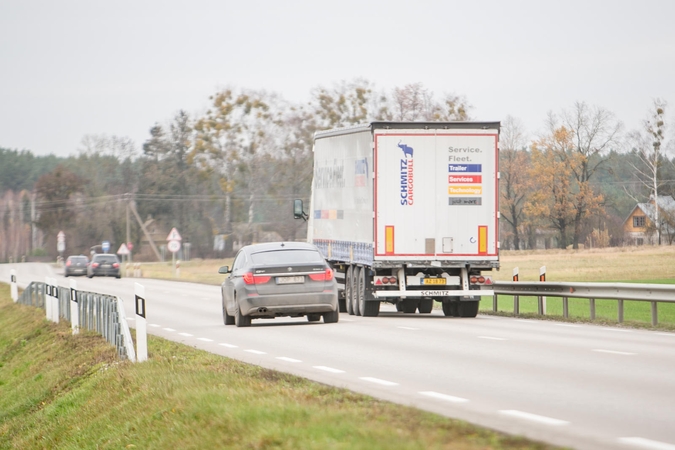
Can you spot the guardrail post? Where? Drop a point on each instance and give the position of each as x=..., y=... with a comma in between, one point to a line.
x=591, y=304
x=620, y=310
x=494, y=303
x=566, y=307
x=516, y=298
x=655, y=314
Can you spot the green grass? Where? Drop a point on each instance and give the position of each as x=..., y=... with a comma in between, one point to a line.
x=71, y=392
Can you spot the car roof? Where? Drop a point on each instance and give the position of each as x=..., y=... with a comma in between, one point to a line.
x=285, y=245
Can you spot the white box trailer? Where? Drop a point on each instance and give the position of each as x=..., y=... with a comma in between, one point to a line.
x=407, y=213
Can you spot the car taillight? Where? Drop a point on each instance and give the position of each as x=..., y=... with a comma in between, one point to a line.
x=94, y=265
x=68, y=263
x=116, y=265
x=249, y=278
x=327, y=275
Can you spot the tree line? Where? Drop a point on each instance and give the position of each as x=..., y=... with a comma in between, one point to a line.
x=228, y=176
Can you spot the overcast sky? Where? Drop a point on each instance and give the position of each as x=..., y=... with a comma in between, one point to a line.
x=73, y=68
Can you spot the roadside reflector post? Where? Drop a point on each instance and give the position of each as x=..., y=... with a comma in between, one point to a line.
x=48, y=298
x=141, y=324
x=542, y=299
x=13, y=286
x=516, y=298
x=74, y=311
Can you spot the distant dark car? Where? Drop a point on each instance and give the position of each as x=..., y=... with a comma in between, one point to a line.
x=76, y=265
x=279, y=279
x=104, y=265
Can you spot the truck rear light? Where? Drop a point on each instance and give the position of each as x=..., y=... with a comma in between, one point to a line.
x=249, y=278
x=327, y=275
x=480, y=279
x=473, y=280
x=379, y=280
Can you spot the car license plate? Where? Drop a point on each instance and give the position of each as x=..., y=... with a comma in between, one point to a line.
x=290, y=280
x=434, y=281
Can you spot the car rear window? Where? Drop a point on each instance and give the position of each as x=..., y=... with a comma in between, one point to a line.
x=106, y=259
x=78, y=258
x=286, y=257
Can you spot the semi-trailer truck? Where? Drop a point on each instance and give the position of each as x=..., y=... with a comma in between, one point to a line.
x=407, y=213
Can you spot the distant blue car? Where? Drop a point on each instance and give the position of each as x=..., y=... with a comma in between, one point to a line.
x=279, y=279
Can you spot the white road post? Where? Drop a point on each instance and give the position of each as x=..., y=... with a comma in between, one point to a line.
x=74, y=310
x=48, y=298
x=542, y=277
x=141, y=324
x=55, y=301
x=13, y=286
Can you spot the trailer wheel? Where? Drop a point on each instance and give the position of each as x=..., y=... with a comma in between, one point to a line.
x=409, y=305
x=426, y=305
x=368, y=308
x=450, y=308
x=468, y=309
x=349, y=289
x=399, y=305
x=356, y=273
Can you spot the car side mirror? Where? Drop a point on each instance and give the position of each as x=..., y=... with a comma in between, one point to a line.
x=298, y=212
x=224, y=270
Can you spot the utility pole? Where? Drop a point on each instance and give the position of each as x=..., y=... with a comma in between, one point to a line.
x=128, y=197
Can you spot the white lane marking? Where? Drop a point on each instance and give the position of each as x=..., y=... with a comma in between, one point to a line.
x=206, y=298
x=492, y=338
x=620, y=330
x=527, y=321
x=229, y=345
x=533, y=417
x=205, y=339
x=287, y=359
x=154, y=325
x=346, y=320
x=130, y=319
x=166, y=292
x=408, y=328
x=646, y=443
x=378, y=381
x=168, y=329
x=569, y=325
x=666, y=334
x=329, y=369
x=613, y=352
x=448, y=398
x=185, y=334
x=257, y=352
x=488, y=317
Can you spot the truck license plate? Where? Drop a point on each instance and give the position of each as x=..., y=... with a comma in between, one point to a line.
x=434, y=281
x=290, y=280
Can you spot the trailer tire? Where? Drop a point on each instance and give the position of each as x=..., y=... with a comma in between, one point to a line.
x=468, y=309
x=349, y=289
x=367, y=307
x=356, y=273
x=399, y=305
x=450, y=308
x=409, y=305
x=426, y=305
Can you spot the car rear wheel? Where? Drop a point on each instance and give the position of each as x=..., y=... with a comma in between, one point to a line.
x=227, y=319
x=331, y=317
x=241, y=320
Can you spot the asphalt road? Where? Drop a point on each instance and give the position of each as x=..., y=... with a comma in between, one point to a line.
x=576, y=385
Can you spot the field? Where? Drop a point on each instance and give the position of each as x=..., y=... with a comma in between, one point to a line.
x=71, y=392
x=645, y=264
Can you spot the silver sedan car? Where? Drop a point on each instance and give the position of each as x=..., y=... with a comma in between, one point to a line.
x=279, y=279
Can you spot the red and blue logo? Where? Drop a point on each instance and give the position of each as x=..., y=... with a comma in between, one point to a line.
x=407, y=175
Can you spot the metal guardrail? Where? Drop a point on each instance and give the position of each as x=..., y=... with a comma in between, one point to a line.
x=97, y=312
x=653, y=293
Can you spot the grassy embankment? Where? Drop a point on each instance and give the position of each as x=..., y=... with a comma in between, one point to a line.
x=71, y=392
x=626, y=264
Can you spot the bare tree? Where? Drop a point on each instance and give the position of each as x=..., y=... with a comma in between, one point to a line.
x=515, y=182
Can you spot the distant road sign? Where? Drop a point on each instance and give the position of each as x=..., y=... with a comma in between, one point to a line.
x=61, y=237
x=173, y=246
x=174, y=235
x=105, y=246
x=123, y=250
x=60, y=246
